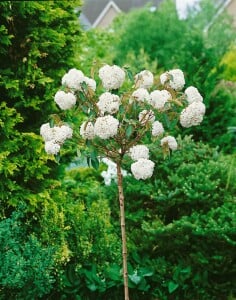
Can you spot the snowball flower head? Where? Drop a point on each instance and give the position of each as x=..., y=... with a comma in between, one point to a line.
x=193, y=95
x=144, y=79
x=146, y=116
x=56, y=134
x=73, y=79
x=87, y=130
x=170, y=141
x=112, y=77
x=106, y=127
x=174, y=79
x=46, y=132
x=142, y=169
x=192, y=115
x=65, y=100
x=141, y=95
x=158, y=99
x=157, y=128
x=61, y=133
x=52, y=148
x=91, y=83
x=139, y=151
x=108, y=103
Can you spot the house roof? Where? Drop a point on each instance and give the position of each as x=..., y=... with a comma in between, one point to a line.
x=221, y=5
x=109, y=5
x=93, y=8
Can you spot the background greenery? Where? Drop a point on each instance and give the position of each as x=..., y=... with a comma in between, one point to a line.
x=59, y=226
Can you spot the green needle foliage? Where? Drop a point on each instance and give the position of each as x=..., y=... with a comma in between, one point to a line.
x=37, y=41
x=37, y=44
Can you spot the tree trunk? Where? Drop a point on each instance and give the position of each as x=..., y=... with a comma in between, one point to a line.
x=123, y=233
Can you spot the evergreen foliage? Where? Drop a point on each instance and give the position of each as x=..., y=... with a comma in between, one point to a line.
x=38, y=40
x=27, y=266
x=37, y=44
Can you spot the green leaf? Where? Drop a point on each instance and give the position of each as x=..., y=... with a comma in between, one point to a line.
x=57, y=158
x=135, y=278
x=130, y=75
x=166, y=121
x=129, y=130
x=88, y=161
x=51, y=123
x=82, y=96
x=172, y=286
x=121, y=109
x=92, y=287
x=114, y=273
x=84, y=109
x=84, y=86
x=88, y=143
x=95, y=162
x=145, y=272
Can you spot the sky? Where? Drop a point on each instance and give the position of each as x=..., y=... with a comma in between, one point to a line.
x=183, y=5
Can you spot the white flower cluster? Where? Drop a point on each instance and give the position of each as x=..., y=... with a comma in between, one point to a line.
x=157, y=128
x=144, y=79
x=55, y=136
x=174, y=79
x=108, y=103
x=193, y=95
x=91, y=83
x=141, y=95
x=74, y=79
x=112, y=77
x=159, y=99
x=142, y=168
x=170, y=141
x=65, y=100
x=111, y=172
x=102, y=124
x=139, y=151
x=106, y=127
x=87, y=130
x=193, y=114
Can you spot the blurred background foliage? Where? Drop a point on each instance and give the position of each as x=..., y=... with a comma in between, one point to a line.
x=59, y=225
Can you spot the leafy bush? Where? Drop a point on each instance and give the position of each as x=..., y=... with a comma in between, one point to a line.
x=182, y=221
x=27, y=268
x=199, y=250
x=92, y=245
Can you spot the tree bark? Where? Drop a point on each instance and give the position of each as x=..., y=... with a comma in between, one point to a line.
x=123, y=233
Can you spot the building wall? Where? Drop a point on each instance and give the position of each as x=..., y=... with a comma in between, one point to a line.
x=232, y=10
x=108, y=18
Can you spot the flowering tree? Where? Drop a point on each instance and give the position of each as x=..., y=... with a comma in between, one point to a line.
x=124, y=119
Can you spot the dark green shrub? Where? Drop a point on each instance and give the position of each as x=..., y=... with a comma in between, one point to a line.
x=182, y=221
x=28, y=267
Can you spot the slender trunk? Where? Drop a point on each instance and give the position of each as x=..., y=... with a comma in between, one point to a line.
x=123, y=234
